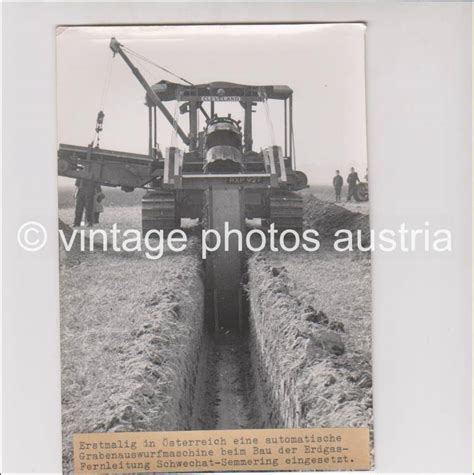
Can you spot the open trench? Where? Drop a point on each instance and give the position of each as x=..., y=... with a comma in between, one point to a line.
x=168, y=367
x=260, y=374
x=226, y=394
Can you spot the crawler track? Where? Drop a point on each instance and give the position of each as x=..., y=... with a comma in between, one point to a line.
x=159, y=211
x=286, y=210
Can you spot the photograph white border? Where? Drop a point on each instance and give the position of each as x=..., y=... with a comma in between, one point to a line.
x=419, y=144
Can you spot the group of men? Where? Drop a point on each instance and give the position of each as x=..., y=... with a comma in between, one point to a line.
x=89, y=199
x=352, y=180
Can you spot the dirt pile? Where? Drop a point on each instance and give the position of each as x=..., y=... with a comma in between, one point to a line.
x=301, y=356
x=131, y=332
x=327, y=218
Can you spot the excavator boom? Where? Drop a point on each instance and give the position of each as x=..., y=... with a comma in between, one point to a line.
x=116, y=47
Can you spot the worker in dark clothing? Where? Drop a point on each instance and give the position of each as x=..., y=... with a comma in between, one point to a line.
x=98, y=203
x=337, y=182
x=352, y=181
x=85, y=191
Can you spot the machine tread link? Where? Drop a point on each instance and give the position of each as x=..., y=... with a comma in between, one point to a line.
x=159, y=211
x=286, y=210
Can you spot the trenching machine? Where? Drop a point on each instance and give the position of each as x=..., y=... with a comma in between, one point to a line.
x=219, y=179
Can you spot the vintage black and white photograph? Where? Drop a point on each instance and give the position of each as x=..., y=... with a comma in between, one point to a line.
x=203, y=175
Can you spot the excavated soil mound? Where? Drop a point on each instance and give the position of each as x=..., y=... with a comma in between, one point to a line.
x=327, y=218
x=131, y=331
x=300, y=355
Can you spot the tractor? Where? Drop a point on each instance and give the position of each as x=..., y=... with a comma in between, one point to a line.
x=362, y=191
x=218, y=179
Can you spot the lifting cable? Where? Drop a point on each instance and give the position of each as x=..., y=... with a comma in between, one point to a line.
x=143, y=66
x=143, y=58
x=106, y=85
x=103, y=97
x=174, y=133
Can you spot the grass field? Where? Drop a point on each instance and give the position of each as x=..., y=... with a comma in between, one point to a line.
x=130, y=335
x=115, y=197
x=313, y=315
x=129, y=327
x=339, y=285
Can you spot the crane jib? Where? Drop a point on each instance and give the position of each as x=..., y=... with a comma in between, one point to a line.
x=116, y=47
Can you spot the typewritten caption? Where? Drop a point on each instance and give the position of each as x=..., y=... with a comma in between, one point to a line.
x=222, y=450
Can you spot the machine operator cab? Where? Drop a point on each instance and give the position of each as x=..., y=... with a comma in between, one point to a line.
x=198, y=101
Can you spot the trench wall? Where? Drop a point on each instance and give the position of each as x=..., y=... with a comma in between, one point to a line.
x=131, y=331
x=299, y=356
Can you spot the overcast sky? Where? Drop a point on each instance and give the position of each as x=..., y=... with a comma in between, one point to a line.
x=323, y=64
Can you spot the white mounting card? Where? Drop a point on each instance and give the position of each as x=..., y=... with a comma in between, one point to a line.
x=215, y=261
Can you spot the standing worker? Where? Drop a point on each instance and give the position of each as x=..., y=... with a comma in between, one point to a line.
x=337, y=182
x=98, y=203
x=85, y=191
x=352, y=181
